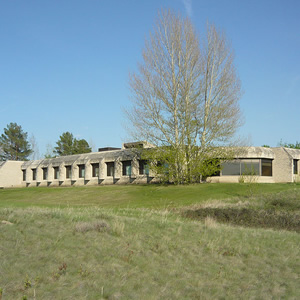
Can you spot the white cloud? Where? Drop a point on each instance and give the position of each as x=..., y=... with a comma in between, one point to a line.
x=188, y=7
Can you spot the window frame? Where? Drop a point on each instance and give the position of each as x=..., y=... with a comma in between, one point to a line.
x=33, y=174
x=45, y=173
x=110, y=165
x=24, y=175
x=126, y=168
x=81, y=171
x=143, y=167
x=68, y=172
x=295, y=166
x=95, y=170
x=56, y=173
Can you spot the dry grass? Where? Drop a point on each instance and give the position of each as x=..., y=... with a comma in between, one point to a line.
x=139, y=253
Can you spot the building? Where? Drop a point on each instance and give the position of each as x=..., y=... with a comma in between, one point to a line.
x=123, y=165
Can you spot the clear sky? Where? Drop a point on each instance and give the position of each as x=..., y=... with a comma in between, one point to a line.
x=64, y=64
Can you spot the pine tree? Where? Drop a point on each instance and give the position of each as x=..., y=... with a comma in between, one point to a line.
x=14, y=143
x=68, y=145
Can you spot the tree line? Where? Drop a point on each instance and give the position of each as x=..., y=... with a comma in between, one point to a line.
x=14, y=144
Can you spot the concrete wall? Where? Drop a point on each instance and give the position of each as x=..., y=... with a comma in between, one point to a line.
x=236, y=179
x=11, y=174
x=11, y=171
x=282, y=166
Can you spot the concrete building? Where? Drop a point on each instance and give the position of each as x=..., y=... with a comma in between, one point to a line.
x=123, y=165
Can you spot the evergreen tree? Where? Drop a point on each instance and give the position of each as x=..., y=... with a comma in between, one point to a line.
x=82, y=146
x=14, y=144
x=68, y=145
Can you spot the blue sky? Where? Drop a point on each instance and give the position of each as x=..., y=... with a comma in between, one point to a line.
x=64, y=65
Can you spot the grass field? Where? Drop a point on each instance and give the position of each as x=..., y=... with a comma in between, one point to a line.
x=138, y=242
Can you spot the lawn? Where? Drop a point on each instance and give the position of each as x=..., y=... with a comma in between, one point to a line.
x=135, y=242
x=135, y=196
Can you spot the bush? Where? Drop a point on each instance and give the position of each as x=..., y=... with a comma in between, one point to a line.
x=249, y=217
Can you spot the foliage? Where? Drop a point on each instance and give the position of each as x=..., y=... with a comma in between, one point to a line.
x=185, y=97
x=14, y=143
x=68, y=145
x=290, y=145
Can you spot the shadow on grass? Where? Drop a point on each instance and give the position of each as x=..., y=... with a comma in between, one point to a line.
x=249, y=217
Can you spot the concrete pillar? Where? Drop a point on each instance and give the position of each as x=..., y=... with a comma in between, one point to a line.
x=50, y=173
x=118, y=169
x=62, y=172
x=102, y=169
x=28, y=175
x=39, y=174
x=75, y=170
x=134, y=168
x=88, y=171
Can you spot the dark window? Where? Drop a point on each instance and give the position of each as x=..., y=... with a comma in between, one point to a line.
x=56, y=172
x=110, y=168
x=81, y=171
x=126, y=168
x=45, y=173
x=95, y=168
x=68, y=172
x=24, y=175
x=266, y=167
x=33, y=174
x=231, y=168
x=143, y=167
x=295, y=166
x=250, y=167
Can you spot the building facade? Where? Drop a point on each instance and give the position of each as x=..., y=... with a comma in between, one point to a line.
x=123, y=166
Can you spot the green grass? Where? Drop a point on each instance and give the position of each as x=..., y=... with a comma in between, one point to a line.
x=123, y=242
x=133, y=196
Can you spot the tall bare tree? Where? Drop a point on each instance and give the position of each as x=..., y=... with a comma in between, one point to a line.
x=185, y=96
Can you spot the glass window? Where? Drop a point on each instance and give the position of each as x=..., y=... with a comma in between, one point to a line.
x=143, y=167
x=231, y=167
x=33, y=174
x=295, y=166
x=45, y=173
x=95, y=168
x=250, y=167
x=68, y=172
x=24, y=175
x=126, y=168
x=266, y=167
x=110, y=168
x=56, y=172
x=81, y=171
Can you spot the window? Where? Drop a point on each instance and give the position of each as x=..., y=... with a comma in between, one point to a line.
x=295, y=166
x=126, y=168
x=247, y=166
x=110, y=168
x=266, y=167
x=81, y=171
x=143, y=167
x=24, y=175
x=68, y=172
x=95, y=170
x=56, y=172
x=231, y=168
x=45, y=173
x=33, y=174
x=250, y=167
